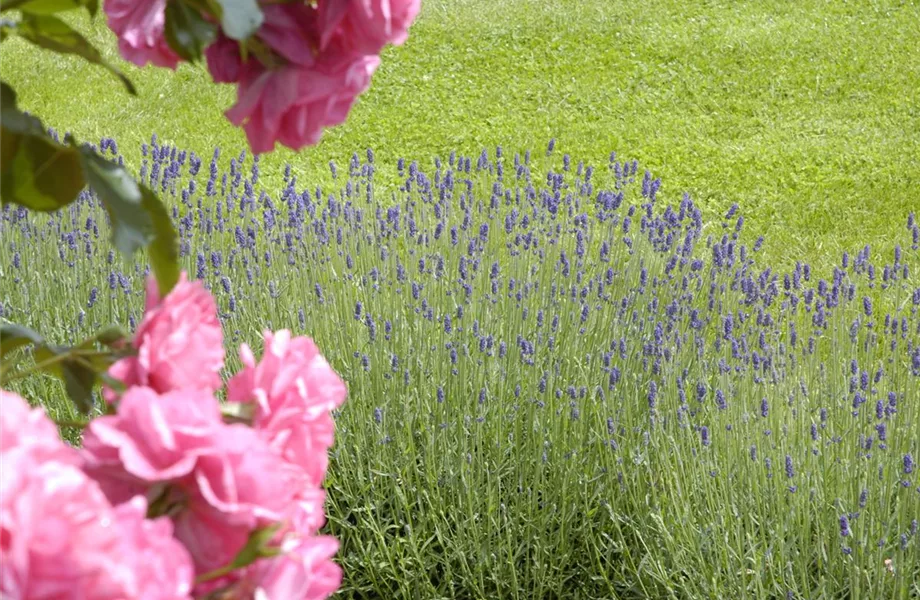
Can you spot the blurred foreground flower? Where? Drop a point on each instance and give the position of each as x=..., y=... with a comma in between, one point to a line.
x=304, y=66
x=169, y=490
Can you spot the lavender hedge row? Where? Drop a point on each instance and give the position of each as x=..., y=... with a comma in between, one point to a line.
x=560, y=386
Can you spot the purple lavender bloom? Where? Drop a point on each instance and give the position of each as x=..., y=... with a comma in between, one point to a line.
x=720, y=400
x=93, y=295
x=704, y=435
x=790, y=471
x=700, y=391
x=844, y=526
x=200, y=263
x=908, y=464
x=652, y=394
x=764, y=408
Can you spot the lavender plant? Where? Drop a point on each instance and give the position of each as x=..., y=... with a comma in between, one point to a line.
x=559, y=386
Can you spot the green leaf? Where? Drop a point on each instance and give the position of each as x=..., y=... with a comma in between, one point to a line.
x=163, y=251
x=48, y=7
x=112, y=336
x=239, y=18
x=14, y=336
x=41, y=174
x=131, y=228
x=79, y=371
x=187, y=32
x=79, y=381
x=138, y=217
x=256, y=547
x=238, y=412
x=35, y=171
x=53, y=34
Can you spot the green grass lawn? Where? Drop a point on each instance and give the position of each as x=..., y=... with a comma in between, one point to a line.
x=804, y=113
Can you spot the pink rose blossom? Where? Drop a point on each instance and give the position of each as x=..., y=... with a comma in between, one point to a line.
x=162, y=567
x=304, y=572
x=60, y=538
x=179, y=342
x=223, y=480
x=240, y=486
x=152, y=438
x=295, y=390
x=328, y=54
x=293, y=104
x=224, y=61
x=290, y=30
x=367, y=25
x=23, y=426
x=139, y=25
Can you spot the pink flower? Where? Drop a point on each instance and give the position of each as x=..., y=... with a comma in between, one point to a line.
x=139, y=25
x=290, y=30
x=238, y=487
x=60, y=538
x=293, y=104
x=224, y=61
x=222, y=481
x=295, y=390
x=367, y=25
x=152, y=438
x=327, y=56
x=304, y=572
x=162, y=567
x=179, y=342
x=22, y=426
